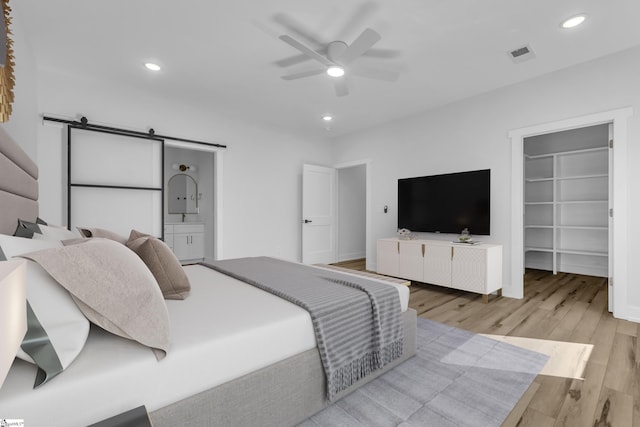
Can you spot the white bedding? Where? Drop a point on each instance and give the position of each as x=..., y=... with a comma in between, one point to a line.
x=223, y=330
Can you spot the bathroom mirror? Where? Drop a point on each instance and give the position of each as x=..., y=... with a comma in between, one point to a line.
x=183, y=194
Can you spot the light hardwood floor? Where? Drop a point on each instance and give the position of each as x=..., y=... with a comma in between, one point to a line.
x=562, y=307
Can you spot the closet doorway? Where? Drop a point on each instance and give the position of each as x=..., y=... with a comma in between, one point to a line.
x=618, y=257
x=567, y=201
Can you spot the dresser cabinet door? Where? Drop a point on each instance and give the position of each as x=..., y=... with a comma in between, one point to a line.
x=437, y=265
x=411, y=263
x=469, y=269
x=388, y=257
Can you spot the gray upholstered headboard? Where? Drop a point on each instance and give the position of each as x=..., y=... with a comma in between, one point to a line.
x=18, y=185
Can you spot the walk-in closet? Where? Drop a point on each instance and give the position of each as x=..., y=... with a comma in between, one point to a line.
x=567, y=201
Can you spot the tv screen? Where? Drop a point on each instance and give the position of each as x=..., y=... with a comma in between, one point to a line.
x=446, y=203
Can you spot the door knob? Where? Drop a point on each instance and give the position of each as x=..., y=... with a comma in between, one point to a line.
x=307, y=221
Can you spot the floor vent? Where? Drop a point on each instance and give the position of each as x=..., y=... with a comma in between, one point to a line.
x=521, y=54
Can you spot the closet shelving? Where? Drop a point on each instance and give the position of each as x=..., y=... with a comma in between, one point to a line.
x=567, y=211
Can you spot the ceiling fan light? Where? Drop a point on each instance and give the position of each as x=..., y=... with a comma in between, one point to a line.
x=574, y=21
x=335, y=71
x=327, y=118
x=151, y=66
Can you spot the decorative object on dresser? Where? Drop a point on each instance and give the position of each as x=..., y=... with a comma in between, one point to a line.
x=186, y=240
x=465, y=236
x=476, y=268
x=404, y=233
x=13, y=311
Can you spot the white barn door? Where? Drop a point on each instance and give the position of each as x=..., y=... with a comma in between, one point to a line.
x=318, y=214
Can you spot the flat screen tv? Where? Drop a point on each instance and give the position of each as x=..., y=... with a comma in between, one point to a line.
x=446, y=203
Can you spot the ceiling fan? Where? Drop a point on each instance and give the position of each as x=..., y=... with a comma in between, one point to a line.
x=336, y=56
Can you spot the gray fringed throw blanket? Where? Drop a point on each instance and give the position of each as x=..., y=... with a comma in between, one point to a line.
x=357, y=322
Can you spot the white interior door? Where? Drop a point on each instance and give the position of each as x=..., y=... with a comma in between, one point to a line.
x=318, y=214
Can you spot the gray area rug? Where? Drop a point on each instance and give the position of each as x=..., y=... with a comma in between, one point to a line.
x=457, y=378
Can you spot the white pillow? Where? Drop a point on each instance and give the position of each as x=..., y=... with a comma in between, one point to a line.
x=101, y=232
x=55, y=233
x=65, y=325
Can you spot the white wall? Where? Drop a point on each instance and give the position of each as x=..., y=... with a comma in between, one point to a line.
x=568, y=140
x=24, y=118
x=472, y=134
x=262, y=166
x=351, y=213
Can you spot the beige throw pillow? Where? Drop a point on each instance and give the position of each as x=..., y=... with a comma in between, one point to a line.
x=136, y=234
x=164, y=266
x=113, y=288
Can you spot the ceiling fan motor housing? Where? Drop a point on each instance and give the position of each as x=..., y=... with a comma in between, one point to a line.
x=335, y=50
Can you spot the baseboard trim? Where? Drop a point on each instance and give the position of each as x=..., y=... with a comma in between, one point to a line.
x=351, y=256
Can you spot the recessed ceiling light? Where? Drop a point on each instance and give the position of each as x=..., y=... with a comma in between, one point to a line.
x=327, y=118
x=151, y=66
x=335, y=71
x=574, y=21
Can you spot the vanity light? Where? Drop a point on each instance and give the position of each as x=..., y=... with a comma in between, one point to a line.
x=335, y=71
x=183, y=168
x=151, y=66
x=574, y=21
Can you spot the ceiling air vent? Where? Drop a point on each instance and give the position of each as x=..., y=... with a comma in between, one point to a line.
x=521, y=54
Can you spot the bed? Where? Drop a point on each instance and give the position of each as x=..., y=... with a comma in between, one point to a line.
x=238, y=355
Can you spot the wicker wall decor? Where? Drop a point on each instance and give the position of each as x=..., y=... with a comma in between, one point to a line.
x=7, y=62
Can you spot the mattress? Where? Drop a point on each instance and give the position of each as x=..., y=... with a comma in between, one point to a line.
x=222, y=331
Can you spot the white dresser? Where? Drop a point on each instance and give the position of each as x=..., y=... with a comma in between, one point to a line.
x=186, y=240
x=474, y=268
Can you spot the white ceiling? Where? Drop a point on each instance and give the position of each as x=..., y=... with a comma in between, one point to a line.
x=222, y=53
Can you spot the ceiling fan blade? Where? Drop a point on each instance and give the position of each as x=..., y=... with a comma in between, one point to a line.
x=377, y=74
x=341, y=87
x=302, y=74
x=360, y=15
x=360, y=45
x=292, y=60
x=302, y=48
x=294, y=27
x=382, y=53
